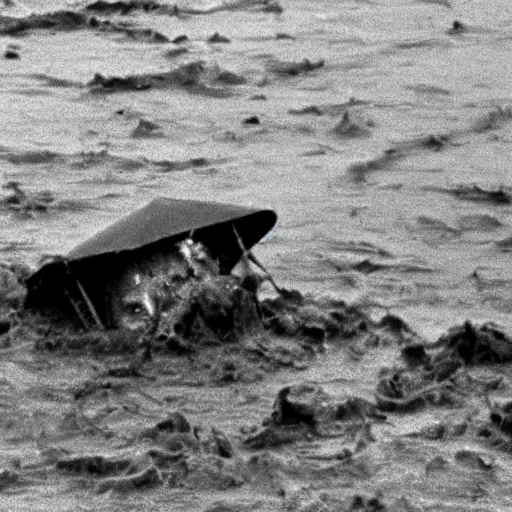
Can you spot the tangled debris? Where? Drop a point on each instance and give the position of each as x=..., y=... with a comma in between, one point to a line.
x=194, y=76
x=494, y=119
x=147, y=128
x=29, y=205
x=63, y=20
x=12, y=289
x=24, y=203
x=124, y=7
x=477, y=193
x=176, y=456
x=436, y=374
x=360, y=170
x=67, y=20
x=221, y=319
x=294, y=68
x=127, y=6
x=305, y=411
x=472, y=344
x=349, y=126
x=218, y=38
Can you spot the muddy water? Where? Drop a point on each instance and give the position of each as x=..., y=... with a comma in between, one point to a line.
x=407, y=76
x=368, y=212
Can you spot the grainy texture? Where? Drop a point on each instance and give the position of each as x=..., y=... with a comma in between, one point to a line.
x=381, y=137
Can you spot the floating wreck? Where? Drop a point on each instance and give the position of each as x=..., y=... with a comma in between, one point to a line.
x=103, y=275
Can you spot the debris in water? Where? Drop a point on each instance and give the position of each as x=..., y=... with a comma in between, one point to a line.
x=180, y=39
x=284, y=35
x=11, y=54
x=176, y=52
x=93, y=464
x=218, y=38
x=486, y=343
x=25, y=203
x=194, y=76
x=310, y=109
x=360, y=170
x=66, y=20
x=498, y=195
x=258, y=97
x=350, y=127
x=148, y=477
x=305, y=411
x=128, y=6
x=162, y=256
x=294, y=68
x=457, y=28
x=63, y=20
x=272, y=6
x=252, y=120
x=493, y=120
x=12, y=290
x=147, y=128
x=125, y=6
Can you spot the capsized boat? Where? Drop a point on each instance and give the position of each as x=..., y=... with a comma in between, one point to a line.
x=78, y=284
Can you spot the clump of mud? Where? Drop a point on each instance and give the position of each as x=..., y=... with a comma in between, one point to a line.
x=63, y=20
x=194, y=76
x=294, y=68
x=221, y=323
x=476, y=193
x=132, y=409
x=494, y=119
x=328, y=320
x=438, y=374
x=24, y=203
x=67, y=20
x=305, y=411
x=170, y=452
x=12, y=286
x=30, y=204
x=351, y=126
x=125, y=7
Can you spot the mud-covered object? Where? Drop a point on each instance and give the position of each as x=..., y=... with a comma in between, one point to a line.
x=209, y=312
x=476, y=344
x=12, y=287
x=309, y=403
x=501, y=416
x=153, y=229
x=437, y=373
x=305, y=410
x=319, y=320
x=212, y=312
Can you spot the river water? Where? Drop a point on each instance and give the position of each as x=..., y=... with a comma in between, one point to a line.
x=370, y=209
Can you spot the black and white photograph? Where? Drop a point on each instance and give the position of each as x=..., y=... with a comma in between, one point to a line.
x=255, y=255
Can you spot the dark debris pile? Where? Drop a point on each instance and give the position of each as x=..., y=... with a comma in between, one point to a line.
x=437, y=374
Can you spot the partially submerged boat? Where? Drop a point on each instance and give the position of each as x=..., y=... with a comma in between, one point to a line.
x=104, y=282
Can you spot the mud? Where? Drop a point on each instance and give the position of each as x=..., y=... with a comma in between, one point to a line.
x=196, y=77
x=30, y=205
x=223, y=324
x=71, y=20
x=372, y=372
x=163, y=450
x=128, y=7
x=294, y=68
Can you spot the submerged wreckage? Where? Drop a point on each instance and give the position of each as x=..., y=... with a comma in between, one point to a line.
x=127, y=273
